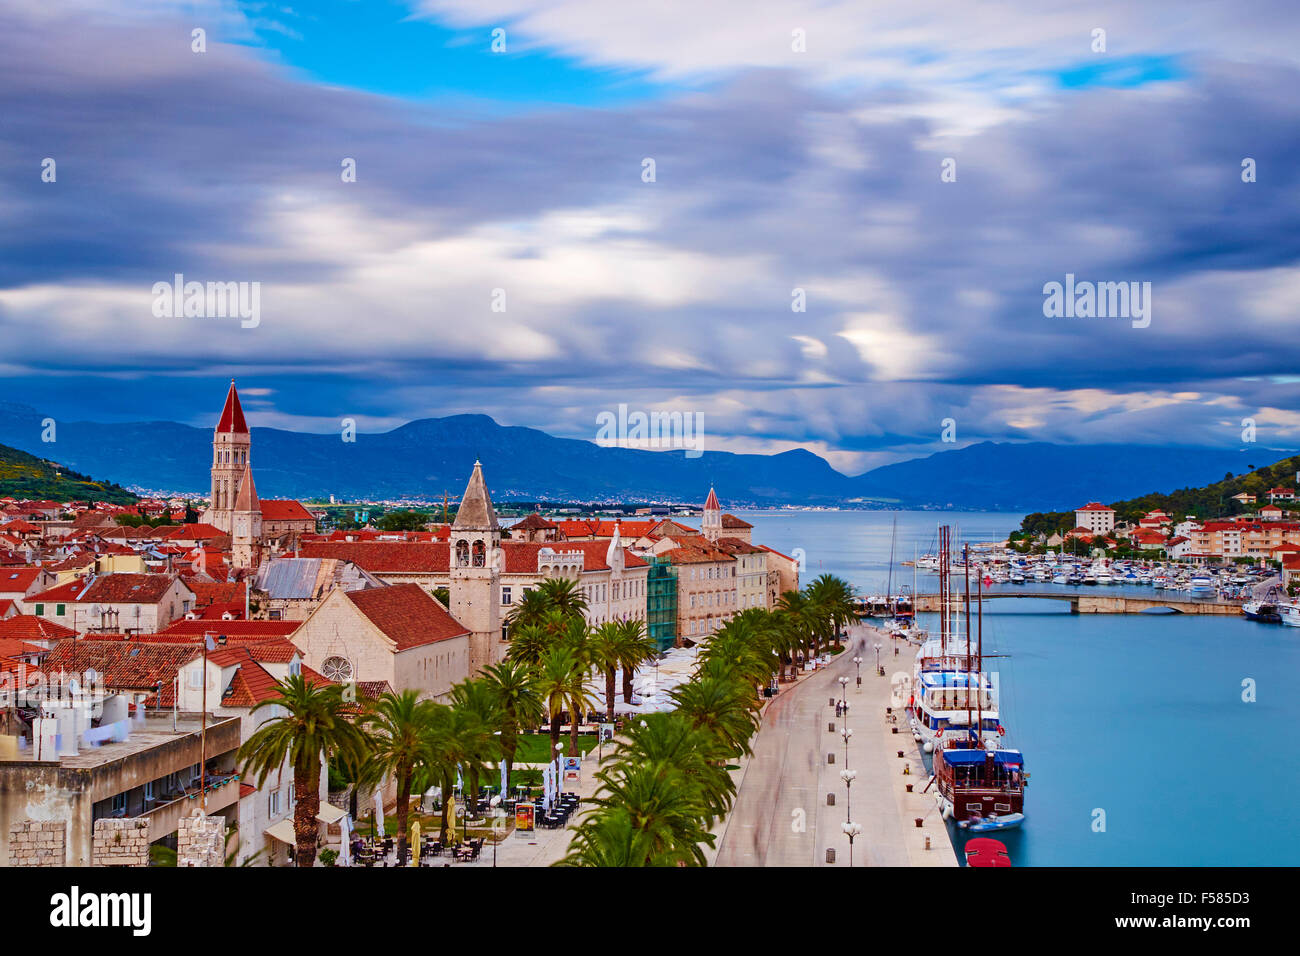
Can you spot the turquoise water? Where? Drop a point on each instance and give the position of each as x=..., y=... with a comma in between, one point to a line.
x=1140, y=716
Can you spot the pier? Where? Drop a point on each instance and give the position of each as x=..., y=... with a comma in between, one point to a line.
x=1090, y=601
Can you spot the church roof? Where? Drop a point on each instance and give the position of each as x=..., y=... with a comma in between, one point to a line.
x=246, y=500
x=476, y=512
x=232, y=416
x=711, y=504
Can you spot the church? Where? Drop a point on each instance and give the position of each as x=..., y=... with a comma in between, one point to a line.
x=256, y=527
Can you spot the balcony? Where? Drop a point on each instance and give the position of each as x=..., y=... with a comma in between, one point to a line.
x=164, y=816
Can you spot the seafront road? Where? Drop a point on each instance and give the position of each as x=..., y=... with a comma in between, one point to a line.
x=780, y=816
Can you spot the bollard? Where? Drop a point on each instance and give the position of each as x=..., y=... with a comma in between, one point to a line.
x=909, y=788
x=889, y=710
x=893, y=730
x=830, y=726
x=900, y=753
x=830, y=854
x=830, y=757
x=927, y=841
x=830, y=702
x=918, y=822
x=830, y=799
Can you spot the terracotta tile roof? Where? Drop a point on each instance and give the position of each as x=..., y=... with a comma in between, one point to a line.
x=18, y=579
x=216, y=592
x=1094, y=506
x=534, y=522
x=379, y=557
x=128, y=588
x=777, y=553
x=406, y=614
x=125, y=665
x=731, y=521
x=711, y=502
x=16, y=647
x=194, y=532
x=29, y=627
x=260, y=630
x=284, y=510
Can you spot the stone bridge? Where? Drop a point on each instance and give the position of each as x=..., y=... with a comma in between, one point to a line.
x=1091, y=602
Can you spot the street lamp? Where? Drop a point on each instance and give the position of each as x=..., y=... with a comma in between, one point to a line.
x=846, y=733
x=851, y=830
x=848, y=776
x=857, y=661
x=882, y=673
x=844, y=682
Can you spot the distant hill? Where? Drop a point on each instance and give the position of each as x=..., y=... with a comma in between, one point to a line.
x=428, y=456
x=26, y=476
x=997, y=476
x=1205, y=501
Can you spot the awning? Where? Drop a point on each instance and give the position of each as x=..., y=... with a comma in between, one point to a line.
x=330, y=814
x=282, y=831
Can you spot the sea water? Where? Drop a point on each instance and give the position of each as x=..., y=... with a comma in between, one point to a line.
x=1151, y=739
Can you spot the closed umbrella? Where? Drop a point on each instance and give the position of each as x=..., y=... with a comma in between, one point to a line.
x=379, y=812
x=505, y=782
x=415, y=843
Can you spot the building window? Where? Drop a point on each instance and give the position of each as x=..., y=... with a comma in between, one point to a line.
x=462, y=554
x=59, y=610
x=338, y=669
x=196, y=678
x=148, y=791
x=274, y=803
x=505, y=595
x=273, y=615
x=119, y=804
x=40, y=610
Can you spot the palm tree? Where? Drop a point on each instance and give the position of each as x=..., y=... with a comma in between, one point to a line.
x=802, y=617
x=834, y=600
x=399, y=726
x=612, y=839
x=528, y=642
x=564, y=595
x=722, y=707
x=561, y=684
x=605, y=654
x=696, y=753
x=477, y=698
x=530, y=610
x=667, y=812
x=635, y=648
x=514, y=686
x=309, y=723
x=458, y=738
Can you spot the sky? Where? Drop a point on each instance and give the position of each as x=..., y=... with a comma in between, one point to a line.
x=501, y=252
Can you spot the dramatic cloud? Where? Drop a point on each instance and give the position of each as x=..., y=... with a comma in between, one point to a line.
x=779, y=179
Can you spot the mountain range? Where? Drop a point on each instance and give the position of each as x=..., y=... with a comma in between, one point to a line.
x=426, y=457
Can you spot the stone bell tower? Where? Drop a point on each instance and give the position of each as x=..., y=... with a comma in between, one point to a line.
x=230, y=447
x=476, y=561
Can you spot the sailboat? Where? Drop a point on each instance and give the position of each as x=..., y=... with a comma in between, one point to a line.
x=978, y=784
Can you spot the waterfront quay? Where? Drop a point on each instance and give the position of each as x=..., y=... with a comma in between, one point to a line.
x=1088, y=603
x=781, y=816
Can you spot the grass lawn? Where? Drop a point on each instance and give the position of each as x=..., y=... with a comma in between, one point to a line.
x=535, y=748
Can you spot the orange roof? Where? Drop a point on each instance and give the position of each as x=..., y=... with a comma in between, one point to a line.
x=18, y=579
x=407, y=615
x=284, y=510
x=261, y=630
x=29, y=627
x=1094, y=506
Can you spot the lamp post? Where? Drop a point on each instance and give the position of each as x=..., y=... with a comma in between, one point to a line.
x=848, y=776
x=878, y=668
x=857, y=662
x=846, y=732
x=851, y=830
x=843, y=682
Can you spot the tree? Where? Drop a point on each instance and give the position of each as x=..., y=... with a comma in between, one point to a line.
x=529, y=612
x=529, y=644
x=561, y=686
x=402, y=521
x=477, y=697
x=635, y=648
x=564, y=595
x=606, y=656
x=399, y=726
x=308, y=723
x=514, y=685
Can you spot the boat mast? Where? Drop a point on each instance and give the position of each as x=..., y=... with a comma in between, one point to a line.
x=965, y=554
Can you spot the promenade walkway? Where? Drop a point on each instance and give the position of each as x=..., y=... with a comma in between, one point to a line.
x=780, y=817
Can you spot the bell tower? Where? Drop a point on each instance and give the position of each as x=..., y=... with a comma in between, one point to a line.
x=246, y=524
x=230, y=448
x=476, y=560
x=712, y=523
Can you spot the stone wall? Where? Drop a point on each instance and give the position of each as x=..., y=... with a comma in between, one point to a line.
x=201, y=841
x=121, y=842
x=38, y=843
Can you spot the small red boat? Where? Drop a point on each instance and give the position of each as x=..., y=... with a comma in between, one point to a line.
x=984, y=851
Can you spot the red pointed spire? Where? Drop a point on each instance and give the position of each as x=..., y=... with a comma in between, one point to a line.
x=232, y=416
x=712, y=503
